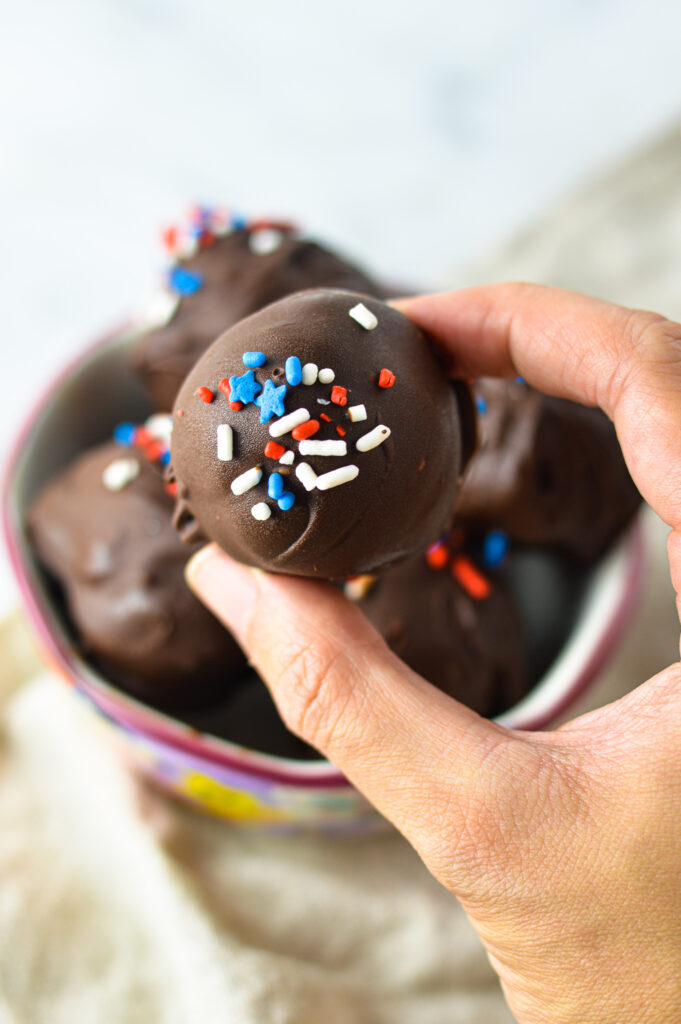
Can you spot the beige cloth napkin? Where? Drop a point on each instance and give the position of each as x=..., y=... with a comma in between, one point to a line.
x=118, y=905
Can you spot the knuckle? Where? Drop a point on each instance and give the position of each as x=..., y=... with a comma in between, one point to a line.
x=645, y=345
x=315, y=688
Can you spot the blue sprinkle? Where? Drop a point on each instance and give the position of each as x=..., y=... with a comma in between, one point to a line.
x=239, y=222
x=124, y=433
x=520, y=380
x=275, y=485
x=271, y=401
x=254, y=359
x=184, y=282
x=494, y=548
x=244, y=388
x=481, y=404
x=287, y=501
x=164, y=458
x=294, y=371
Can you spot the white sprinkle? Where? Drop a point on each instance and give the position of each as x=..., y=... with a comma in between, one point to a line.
x=357, y=413
x=373, y=438
x=323, y=401
x=326, y=376
x=358, y=588
x=310, y=371
x=323, y=448
x=261, y=511
x=187, y=247
x=364, y=317
x=119, y=473
x=158, y=310
x=336, y=477
x=225, y=442
x=265, y=241
x=250, y=478
x=160, y=426
x=286, y=423
x=306, y=475
x=287, y=458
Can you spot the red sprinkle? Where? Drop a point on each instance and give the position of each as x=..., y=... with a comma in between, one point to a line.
x=305, y=430
x=142, y=437
x=206, y=239
x=274, y=450
x=169, y=237
x=437, y=556
x=180, y=412
x=224, y=387
x=386, y=379
x=470, y=578
x=340, y=431
x=323, y=416
x=205, y=394
x=171, y=488
x=339, y=395
x=153, y=451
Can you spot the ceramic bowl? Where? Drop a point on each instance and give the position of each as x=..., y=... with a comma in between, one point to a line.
x=225, y=778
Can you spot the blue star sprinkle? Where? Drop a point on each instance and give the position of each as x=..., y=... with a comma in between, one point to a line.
x=184, y=282
x=271, y=401
x=244, y=388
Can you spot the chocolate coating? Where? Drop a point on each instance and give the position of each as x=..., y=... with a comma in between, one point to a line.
x=236, y=282
x=120, y=564
x=472, y=649
x=404, y=492
x=548, y=472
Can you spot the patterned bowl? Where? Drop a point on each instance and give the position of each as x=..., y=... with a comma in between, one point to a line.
x=222, y=777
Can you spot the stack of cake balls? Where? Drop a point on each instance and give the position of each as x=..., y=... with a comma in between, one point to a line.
x=307, y=427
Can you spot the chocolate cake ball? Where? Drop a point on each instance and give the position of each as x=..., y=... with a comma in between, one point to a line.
x=320, y=437
x=452, y=623
x=547, y=472
x=225, y=270
x=103, y=529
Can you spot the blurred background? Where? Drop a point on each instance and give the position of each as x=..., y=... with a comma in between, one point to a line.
x=418, y=138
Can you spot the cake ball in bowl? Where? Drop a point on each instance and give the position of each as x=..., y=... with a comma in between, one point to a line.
x=320, y=437
x=222, y=269
x=548, y=472
x=453, y=621
x=103, y=530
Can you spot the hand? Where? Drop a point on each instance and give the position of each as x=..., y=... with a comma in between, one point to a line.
x=563, y=847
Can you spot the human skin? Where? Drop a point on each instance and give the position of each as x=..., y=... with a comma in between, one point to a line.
x=563, y=847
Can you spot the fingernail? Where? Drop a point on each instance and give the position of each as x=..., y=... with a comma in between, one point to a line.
x=228, y=588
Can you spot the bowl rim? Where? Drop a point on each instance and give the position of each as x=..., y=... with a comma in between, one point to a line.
x=573, y=672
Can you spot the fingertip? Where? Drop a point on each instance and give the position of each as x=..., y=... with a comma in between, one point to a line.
x=196, y=564
x=226, y=587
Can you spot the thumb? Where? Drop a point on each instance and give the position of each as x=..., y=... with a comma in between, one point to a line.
x=425, y=761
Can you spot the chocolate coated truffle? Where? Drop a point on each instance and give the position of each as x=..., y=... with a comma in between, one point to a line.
x=547, y=472
x=453, y=624
x=320, y=437
x=227, y=278
x=103, y=529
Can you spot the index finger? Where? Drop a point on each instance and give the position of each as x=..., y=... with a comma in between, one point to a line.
x=626, y=361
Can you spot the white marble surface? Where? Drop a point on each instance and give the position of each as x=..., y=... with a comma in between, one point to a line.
x=413, y=136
